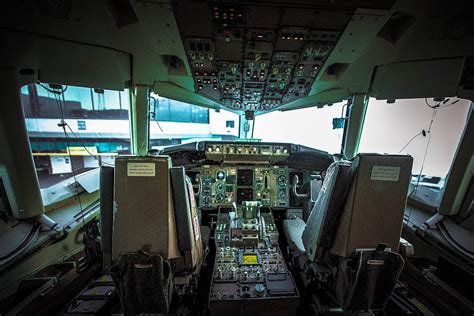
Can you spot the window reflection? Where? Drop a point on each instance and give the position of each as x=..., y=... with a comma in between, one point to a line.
x=97, y=129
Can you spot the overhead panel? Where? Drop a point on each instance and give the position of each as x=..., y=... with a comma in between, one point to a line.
x=257, y=58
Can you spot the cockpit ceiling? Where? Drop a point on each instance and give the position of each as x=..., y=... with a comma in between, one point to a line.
x=248, y=57
x=256, y=55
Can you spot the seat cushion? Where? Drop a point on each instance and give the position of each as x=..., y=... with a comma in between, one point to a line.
x=294, y=231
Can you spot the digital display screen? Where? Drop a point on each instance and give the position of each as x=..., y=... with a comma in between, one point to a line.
x=249, y=259
x=244, y=194
x=244, y=177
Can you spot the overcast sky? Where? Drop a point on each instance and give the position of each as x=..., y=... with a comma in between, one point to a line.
x=388, y=128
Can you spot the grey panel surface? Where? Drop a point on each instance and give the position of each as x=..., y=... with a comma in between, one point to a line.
x=294, y=231
x=323, y=221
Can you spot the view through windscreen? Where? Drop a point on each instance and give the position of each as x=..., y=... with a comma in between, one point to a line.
x=98, y=128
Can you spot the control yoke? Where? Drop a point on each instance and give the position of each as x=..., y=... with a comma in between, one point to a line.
x=295, y=188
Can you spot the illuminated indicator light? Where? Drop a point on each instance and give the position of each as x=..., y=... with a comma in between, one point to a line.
x=200, y=87
x=296, y=38
x=201, y=65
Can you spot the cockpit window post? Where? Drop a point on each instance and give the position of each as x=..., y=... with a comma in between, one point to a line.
x=356, y=109
x=139, y=119
x=459, y=178
x=16, y=156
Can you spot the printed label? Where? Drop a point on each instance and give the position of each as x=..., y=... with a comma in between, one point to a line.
x=385, y=173
x=140, y=169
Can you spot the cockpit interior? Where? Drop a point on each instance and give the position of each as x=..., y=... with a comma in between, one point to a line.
x=198, y=157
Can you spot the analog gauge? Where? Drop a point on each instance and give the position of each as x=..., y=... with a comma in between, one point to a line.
x=206, y=200
x=281, y=180
x=220, y=197
x=282, y=195
x=220, y=187
x=207, y=180
x=220, y=175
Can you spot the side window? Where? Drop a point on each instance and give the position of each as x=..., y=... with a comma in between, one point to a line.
x=418, y=127
x=74, y=128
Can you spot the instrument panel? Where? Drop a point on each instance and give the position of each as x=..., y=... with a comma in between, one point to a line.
x=258, y=64
x=242, y=151
x=225, y=184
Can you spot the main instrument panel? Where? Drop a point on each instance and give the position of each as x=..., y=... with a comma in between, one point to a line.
x=228, y=184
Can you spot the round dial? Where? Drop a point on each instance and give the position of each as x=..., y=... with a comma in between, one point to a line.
x=220, y=175
x=206, y=200
x=220, y=197
x=281, y=181
x=282, y=195
x=207, y=180
x=220, y=187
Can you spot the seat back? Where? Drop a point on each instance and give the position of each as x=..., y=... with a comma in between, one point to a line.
x=144, y=218
x=323, y=220
x=371, y=284
x=374, y=208
x=144, y=283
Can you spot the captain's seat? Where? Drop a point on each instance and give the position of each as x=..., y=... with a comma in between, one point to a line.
x=157, y=242
x=355, y=227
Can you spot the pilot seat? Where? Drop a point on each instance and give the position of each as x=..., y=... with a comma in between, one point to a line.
x=157, y=241
x=347, y=252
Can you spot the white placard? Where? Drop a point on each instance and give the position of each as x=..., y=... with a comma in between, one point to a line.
x=140, y=169
x=385, y=173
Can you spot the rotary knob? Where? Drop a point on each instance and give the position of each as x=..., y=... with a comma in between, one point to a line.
x=259, y=290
